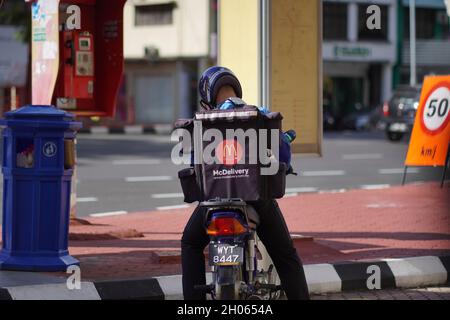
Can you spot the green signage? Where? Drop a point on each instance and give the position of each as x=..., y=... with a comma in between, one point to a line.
x=359, y=52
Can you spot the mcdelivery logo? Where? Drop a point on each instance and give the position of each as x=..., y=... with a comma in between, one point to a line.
x=229, y=152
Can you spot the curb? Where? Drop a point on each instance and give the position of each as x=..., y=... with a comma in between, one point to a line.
x=128, y=129
x=321, y=278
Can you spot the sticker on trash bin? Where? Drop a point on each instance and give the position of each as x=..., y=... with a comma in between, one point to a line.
x=49, y=149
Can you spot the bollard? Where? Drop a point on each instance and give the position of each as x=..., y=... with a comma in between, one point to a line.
x=38, y=164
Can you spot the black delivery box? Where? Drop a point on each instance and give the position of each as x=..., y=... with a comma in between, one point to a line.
x=232, y=156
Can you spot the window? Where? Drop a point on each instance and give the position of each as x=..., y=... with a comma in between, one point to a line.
x=365, y=33
x=155, y=14
x=334, y=21
x=430, y=23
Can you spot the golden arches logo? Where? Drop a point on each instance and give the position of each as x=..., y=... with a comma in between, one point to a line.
x=229, y=152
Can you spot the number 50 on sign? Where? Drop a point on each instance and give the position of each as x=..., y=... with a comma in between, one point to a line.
x=431, y=133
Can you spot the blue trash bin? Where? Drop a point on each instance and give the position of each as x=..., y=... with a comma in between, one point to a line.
x=38, y=161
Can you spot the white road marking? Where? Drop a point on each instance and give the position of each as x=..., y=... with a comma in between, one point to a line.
x=99, y=130
x=300, y=190
x=108, y=214
x=290, y=195
x=362, y=156
x=87, y=199
x=148, y=179
x=180, y=206
x=352, y=143
x=332, y=191
x=381, y=205
x=134, y=129
x=167, y=195
x=323, y=173
x=134, y=162
x=398, y=171
x=375, y=186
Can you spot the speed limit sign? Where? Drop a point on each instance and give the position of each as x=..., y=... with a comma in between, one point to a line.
x=430, y=137
x=436, y=112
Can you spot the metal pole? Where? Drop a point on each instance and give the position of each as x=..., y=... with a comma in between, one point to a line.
x=13, y=94
x=412, y=42
x=73, y=190
x=404, y=175
x=264, y=51
x=447, y=160
x=264, y=94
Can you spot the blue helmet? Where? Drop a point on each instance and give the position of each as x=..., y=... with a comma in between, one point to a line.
x=212, y=80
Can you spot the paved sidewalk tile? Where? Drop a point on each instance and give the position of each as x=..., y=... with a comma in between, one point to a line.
x=432, y=293
x=345, y=227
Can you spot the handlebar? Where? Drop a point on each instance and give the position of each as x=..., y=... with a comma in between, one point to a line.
x=290, y=135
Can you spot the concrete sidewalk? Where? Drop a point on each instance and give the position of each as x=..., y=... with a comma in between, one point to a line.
x=341, y=235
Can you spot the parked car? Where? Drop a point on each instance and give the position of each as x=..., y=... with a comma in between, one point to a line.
x=376, y=119
x=400, y=111
x=358, y=120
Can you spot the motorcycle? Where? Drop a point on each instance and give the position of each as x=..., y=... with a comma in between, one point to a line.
x=234, y=253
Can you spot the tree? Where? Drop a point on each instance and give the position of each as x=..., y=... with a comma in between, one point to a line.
x=17, y=13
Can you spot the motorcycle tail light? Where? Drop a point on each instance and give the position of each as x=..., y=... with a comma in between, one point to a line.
x=386, y=109
x=226, y=227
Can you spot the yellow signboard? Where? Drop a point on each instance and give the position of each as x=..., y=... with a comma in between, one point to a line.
x=296, y=75
x=238, y=44
x=294, y=60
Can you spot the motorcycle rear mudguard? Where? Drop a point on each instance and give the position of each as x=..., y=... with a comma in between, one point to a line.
x=247, y=210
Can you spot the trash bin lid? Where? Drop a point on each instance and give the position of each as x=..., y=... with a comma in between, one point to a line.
x=39, y=111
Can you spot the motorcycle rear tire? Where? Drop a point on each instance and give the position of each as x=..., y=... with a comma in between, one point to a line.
x=227, y=292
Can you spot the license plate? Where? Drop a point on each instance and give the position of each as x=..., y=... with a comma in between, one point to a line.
x=225, y=254
x=398, y=127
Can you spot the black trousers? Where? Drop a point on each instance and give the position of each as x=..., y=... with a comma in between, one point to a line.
x=274, y=234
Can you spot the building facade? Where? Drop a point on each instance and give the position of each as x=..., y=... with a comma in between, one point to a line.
x=358, y=62
x=166, y=45
x=432, y=40
x=169, y=43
